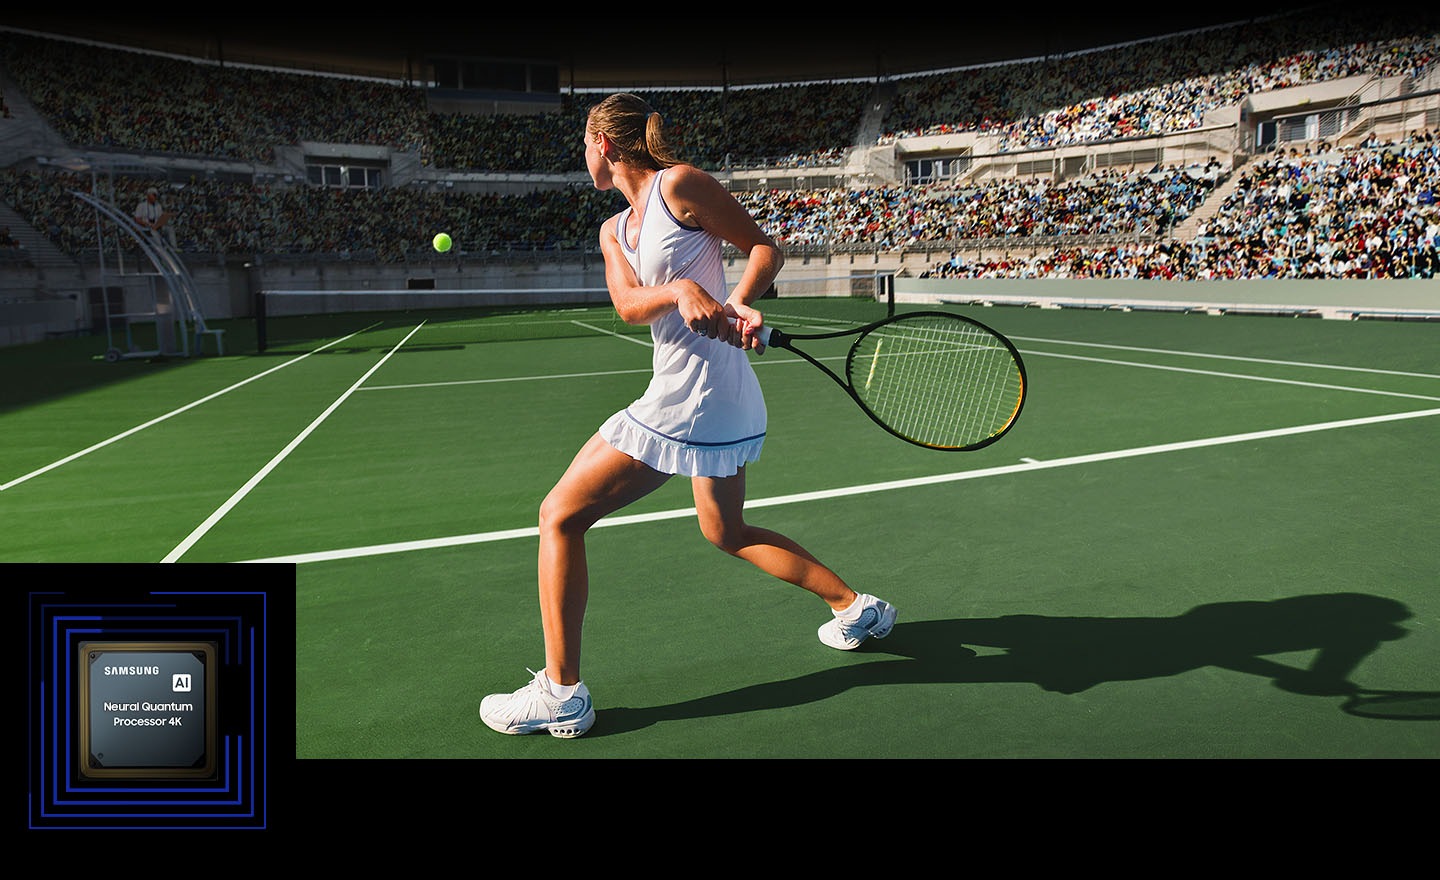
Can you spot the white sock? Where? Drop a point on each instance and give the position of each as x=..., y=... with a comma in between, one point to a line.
x=852, y=612
x=560, y=691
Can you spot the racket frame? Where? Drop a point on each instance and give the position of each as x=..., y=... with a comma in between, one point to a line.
x=772, y=336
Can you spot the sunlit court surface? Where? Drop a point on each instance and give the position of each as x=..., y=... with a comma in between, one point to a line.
x=1205, y=537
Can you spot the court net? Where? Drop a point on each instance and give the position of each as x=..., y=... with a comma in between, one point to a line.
x=301, y=320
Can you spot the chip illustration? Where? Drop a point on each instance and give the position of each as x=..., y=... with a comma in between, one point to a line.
x=147, y=710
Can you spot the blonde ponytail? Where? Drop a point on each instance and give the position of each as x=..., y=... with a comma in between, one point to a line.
x=636, y=130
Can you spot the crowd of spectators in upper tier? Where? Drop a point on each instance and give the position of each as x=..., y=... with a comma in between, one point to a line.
x=122, y=100
x=130, y=101
x=1155, y=87
x=113, y=98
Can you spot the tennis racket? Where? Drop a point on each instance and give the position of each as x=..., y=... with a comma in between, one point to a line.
x=934, y=379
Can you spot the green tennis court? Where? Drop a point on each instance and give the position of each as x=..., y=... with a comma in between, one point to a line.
x=1200, y=535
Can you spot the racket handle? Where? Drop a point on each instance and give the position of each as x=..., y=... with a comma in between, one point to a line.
x=763, y=335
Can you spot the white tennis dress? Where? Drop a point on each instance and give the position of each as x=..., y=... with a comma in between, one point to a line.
x=703, y=414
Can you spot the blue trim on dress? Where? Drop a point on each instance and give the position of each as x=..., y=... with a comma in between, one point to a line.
x=673, y=219
x=622, y=225
x=684, y=442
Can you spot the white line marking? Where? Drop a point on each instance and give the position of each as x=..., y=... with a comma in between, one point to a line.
x=251, y=483
x=645, y=370
x=158, y=419
x=771, y=361
x=798, y=498
x=1079, y=357
x=1228, y=357
x=645, y=342
x=760, y=362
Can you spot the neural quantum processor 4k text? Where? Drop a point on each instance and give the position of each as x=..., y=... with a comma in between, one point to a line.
x=147, y=710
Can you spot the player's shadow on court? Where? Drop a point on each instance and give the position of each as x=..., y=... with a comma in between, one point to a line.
x=1068, y=655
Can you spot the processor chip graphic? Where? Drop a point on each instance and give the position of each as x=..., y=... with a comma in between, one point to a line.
x=147, y=709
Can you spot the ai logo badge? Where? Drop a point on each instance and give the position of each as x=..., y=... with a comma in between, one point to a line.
x=180, y=682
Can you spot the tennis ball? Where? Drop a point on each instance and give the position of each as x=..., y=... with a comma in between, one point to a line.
x=442, y=242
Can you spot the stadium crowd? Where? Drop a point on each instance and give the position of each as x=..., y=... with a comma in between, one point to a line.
x=114, y=99
x=1150, y=88
x=1360, y=212
x=1364, y=211
x=1108, y=202
x=128, y=100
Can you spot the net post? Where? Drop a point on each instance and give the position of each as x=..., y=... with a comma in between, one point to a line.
x=260, y=320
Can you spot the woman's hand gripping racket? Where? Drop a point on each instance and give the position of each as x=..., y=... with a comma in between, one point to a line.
x=934, y=379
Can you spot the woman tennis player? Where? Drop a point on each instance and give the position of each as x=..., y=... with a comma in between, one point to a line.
x=702, y=416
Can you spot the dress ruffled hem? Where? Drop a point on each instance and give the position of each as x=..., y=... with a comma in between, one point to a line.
x=671, y=456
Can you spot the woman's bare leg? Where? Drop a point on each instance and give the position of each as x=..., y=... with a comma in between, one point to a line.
x=599, y=481
x=719, y=502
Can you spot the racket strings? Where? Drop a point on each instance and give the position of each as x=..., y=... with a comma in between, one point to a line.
x=937, y=380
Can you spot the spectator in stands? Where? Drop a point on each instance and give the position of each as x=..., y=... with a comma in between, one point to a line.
x=151, y=214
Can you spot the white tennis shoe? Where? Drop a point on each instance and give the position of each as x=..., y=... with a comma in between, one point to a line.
x=533, y=709
x=876, y=619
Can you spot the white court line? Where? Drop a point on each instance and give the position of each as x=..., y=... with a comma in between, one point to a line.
x=890, y=486
x=1095, y=360
x=1026, y=353
x=1228, y=357
x=635, y=339
x=251, y=483
x=175, y=412
x=645, y=370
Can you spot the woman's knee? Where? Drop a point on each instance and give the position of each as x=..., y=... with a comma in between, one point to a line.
x=725, y=535
x=558, y=512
